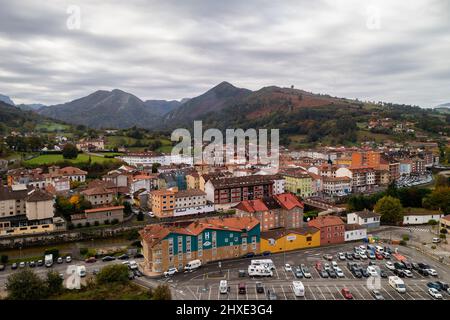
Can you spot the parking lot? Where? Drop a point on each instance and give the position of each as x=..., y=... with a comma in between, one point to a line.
x=203, y=284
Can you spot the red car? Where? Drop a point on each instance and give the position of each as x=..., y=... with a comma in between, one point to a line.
x=90, y=260
x=379, y=256
x=318, y=266
x=347, y=294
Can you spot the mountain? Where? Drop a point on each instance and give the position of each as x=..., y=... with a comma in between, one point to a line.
x=105, y=109
x=162, y=107
x=213, y=100
x=444, y=105
x=6, y=99
x=31, y=107
x=14, y=117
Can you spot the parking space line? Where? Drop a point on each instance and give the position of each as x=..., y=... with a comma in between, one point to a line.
x=321, y=293
x=334, y=298
x=284, y=293
x=312, y=292
x=367, y=290
x=388, y=293
x=276, y=272
x=359, y=293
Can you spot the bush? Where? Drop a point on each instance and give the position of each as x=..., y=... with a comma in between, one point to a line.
x=87, y=224
x=79, y=225
x=444, y=231
x=96, y=223
x=83, y=251
x=136, y=243
x=25, y=285
x=70, y=151
x=132, y=235
x=405, y=237
x=70, y=226
x=432, y=222
x=442, y=236
x=4, y=259
x=53, y=251
x=113, y=273
x=402, y=242
x=114, y=221
x=433, y=247
x=162, y=292
x=54, y=283
x=140, y=216
x=107, y=221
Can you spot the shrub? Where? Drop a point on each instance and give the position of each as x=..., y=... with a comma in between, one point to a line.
x=79, y=225
x=107, y=221
x=432, y=222
x=83, y=251
x=442, y=236
x=96, y=223
x=444, y=231
x=70, y=226
x=140, y=216
x=87, y=224
x=25, y=285
x=4, y=259
x=405, y=237
x=162, y=292
x=114, y=221
x=433, y=247
x=402, y=242
x=113, y=273
x=53, y=251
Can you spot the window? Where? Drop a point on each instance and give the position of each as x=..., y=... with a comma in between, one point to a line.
x=170, y=246
x=254, y=242
x=244, y=243
x=308, y=239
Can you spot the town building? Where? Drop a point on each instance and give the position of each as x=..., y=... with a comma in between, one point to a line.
x=100, y=215
x=299, y=183
x=367, y=219
x=24, y=210
x=91, y=145
x=99, y=196
x=445, y=222
x=174, y=203
x=418, y=217
x=205, y=239
x=282, y=210
x=363, y=179
x=282, y=240
x=147, y=159
x=336, y=186
x=331, y=228
x=355, y=232
x=227, y=192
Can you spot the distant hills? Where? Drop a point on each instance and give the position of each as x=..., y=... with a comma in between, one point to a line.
x=6, y=99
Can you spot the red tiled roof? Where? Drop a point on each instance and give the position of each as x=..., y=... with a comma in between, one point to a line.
x=97, y=190
x=252, y=206
x=325, y=221
x=72, y=171
x=288, y=201
x=447, y=217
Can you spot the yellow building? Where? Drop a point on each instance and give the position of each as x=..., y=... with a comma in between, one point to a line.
x=281, y=240
x=193, y=181
x=299, y=183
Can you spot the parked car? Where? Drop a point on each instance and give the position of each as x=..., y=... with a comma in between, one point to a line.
x=123, y=257
x=2, y=267
x=266, y=253
x=249, y=255
x=305, y=271
x=298, y=273
x=130, y=275
x=137, y=273
x=386, y=255
x=357, y=273
x=318, y=266
x=328, y=257
x=349, y=256
x=68, y=259
x=371, y=255
x=399, y=273
x=14, y=266
x=108, y=258
x=436, y=240
x=341, y=256
x=242, y=288
x=372, y=271
x=408, y=265
x=364, y=273
x=407, y=273
x=90, y=260
x=95, y=271
x=332, y=273
x=377, y=295
x=339, y=272
x=356, y=256
x=423, y=272
x=22, y=264
x=59, y=260
x=434, y=285
x=287, y=267
x=346, y=293
x=242, y=273
x=170, y=272
x=259, y=287
x=362, y=255
x=383, y=274
x=435, y=293
x=271, y=295
x=40, y=263
x=379, y=256
x=323, y=274
x=138, y=255
x=32, y=264
x=442, y=285
x=432, y=272
x=61, y=275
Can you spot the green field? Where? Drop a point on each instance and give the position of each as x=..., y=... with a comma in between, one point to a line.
x=118, y=141
x=50, y=126
x=53, y=158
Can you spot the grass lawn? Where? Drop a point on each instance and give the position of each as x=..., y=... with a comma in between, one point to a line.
x=118, y=141
x=53, y=158
x=111, y=291
x=52, y=126
x=419, y=210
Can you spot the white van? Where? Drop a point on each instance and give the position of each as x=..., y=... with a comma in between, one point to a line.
x=192, y=265
x=268, y=263
x=379, y=249
x=81, y=271
x=223, y=286
x=259, y=271
x=397, y=283
x=298, y=288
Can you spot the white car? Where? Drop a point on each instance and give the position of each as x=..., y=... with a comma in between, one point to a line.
x=341, y=256
x=362, y=255
x=389, y=265
x=68, y=259
x=287, y=267
x=432, y=272
x=434, y=293
x=407, y=273
x=339, y=272
x=436, y=240
x=372, y=271
x=334, y=264
x=170, y=272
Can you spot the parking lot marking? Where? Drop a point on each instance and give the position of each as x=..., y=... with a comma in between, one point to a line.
x=312, y=292
x=388, y=293
x=285, y=298
x=321, y=292
x=359, y=293
x=334, y=298
x=276, y=272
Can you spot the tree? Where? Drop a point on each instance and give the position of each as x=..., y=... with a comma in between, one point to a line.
x=392, y=190
x=162, y=292
x=438, y=199
x=25, y=285
x=390, y=209
x=54, y=283
x=140, y=216
x=155, y=167
x=113, y=273
x=70, y=151
x=4, y=259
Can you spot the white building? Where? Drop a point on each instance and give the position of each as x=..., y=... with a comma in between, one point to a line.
x=354, y=232
x=150, y=158
x=336, y=185
x=192, y=201
x=141, y=182
x=420, y=218
x=367, y=219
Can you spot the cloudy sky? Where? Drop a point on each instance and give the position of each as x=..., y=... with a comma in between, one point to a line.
x=56, y=51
